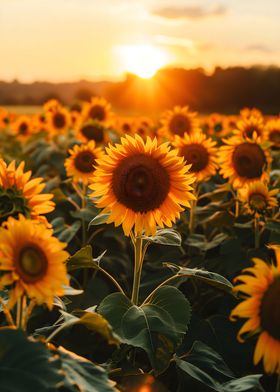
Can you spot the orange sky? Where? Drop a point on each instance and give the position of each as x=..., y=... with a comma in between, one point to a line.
x=74, y=39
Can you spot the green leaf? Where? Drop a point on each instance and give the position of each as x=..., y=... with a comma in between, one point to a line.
x=82, y=375
x=201, y=242
x=70, y=232
x=26, y=365
x=165, y=237
x=156, y=327
x=211, y=278
x=99, y=219
x=208, y=367
x=83, y=259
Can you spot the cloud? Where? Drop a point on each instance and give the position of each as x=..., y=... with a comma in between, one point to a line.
x=189, y=12
x=258, y=48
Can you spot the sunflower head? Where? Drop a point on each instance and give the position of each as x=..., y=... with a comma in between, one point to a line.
x=80, y=164
x=178, y=121
x=249, y=126
x=4, y=118
x=200, y=152
x=257, y=198
x=93, y=130
x=58, y=120
x=272, y=132
x=244, y=160
x=20, y=195
x=31, y=261
x=23, y=127
x=260, y=287
x=52, y=105
x=98, y=109
x=141, y=184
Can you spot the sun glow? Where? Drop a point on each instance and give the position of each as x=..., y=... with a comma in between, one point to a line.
x=142, y=60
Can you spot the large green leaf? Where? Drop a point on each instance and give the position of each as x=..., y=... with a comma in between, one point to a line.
x=208, y=277
x=26, y=365
x=200, y=241
x=206, y=366
x=82, y=375
x=157, y=327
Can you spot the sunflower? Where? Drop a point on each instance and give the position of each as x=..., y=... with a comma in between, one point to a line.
x=260, y=286
x=272, y=132
x=142, y=184
x=32, y=261
x=20, y=195
x=4, y=118
x=247, y=126
x=200, y=151
x=244, y=160
x=92, y=130
x=58, y=120
x=80, y=164
x=52, y=105
x=98, y=109
x=23, y=128
x=257, y=198
x=250, y=112
x=178, y=121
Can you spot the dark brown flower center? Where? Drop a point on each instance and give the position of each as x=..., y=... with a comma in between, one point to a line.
x=141, y=183
x=97, y=112
x=274, y=136
x=180, y=124
x=249, y=131
x=197, y=155
x=59, y=120
x=257, y=202
x=23, y=128
x=93, y=132
x=31, y=264
x=126, y=127
x=270, y=310
x=84, y=161
x=248, y=160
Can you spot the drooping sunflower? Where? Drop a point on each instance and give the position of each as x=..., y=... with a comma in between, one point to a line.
x=23, y=128
x=58, y=120
x=244, y=160
x=178, y=121
x=80, y=164
x=272, y=132
x=142, y=184
x=257, y=198
x=98, y=109
x=200, y=151
x=31, y=261
x=260, y=287
x=92, y=130
x=21, y=195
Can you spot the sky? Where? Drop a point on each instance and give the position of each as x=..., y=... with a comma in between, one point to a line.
x=67, y=40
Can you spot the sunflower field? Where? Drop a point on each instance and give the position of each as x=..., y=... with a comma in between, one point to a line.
x=139, y=254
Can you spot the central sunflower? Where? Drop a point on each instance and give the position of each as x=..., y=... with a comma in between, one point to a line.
x=244, y=160
x=200, y=152
x=32, y=261
x=261, y=286
x=142, y=184
x=20, y=195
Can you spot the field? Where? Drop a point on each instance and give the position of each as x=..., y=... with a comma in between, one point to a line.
x=139, y=254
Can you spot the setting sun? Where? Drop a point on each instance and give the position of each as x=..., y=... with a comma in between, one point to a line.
x=142, y=60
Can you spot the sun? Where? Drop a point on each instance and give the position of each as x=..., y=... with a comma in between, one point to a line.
x=142, y=60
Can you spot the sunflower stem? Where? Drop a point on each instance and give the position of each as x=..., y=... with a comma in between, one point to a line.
x=236, y=208
x=192, y=210
x=84, y=231
x=257, y=232
x=277, y=389
x=138, y=262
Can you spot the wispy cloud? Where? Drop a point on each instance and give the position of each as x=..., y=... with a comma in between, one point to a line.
x=258, y=48
x=189, y=12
